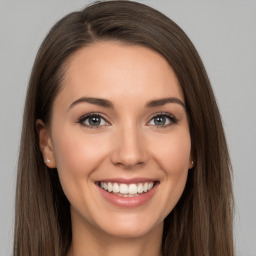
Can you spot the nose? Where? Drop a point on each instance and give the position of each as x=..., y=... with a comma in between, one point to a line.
x=129, y=148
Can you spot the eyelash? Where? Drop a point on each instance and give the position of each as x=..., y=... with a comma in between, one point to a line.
x=172, y=119
x=82, y=120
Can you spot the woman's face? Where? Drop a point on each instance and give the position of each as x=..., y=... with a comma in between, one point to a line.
x=119, y=124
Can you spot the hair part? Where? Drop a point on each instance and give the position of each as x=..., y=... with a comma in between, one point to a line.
x=201, y=222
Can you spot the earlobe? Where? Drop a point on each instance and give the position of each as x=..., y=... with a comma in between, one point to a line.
x=191, y=163
x=45, y=143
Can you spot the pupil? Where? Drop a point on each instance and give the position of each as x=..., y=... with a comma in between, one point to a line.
x=94, y=121
x=160, y=120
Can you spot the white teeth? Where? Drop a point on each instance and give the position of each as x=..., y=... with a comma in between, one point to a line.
x=110, y=187
x=127, y=190
x=123, y=189
x=115, y=188
x=133, y=189
x=145, y=187
x=140, y=188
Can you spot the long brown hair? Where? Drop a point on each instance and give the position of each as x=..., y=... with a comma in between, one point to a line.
x=201, y=222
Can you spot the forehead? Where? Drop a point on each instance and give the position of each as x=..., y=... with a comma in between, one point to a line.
x=114, y=70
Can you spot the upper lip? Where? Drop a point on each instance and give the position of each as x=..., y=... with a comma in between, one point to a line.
x=128, y=181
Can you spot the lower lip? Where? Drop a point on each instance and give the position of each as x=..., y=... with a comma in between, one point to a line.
x=128, y=202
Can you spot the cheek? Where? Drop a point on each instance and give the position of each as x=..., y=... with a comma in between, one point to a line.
x=76, y=152
x=173, y=156
x=76, y=156
x=71, y=156
x=173, y=153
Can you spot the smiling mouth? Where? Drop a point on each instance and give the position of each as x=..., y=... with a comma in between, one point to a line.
x=127, y=190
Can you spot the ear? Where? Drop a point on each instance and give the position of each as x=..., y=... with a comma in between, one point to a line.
x=45, y=143
x=191, y=163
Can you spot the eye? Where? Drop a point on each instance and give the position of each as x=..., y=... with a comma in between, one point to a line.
x=93, y=120
x=163, y=120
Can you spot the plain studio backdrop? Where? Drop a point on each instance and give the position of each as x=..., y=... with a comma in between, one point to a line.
x=224, y=33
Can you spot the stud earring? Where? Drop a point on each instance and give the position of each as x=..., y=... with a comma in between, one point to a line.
x=192, y=162
x=47, y=160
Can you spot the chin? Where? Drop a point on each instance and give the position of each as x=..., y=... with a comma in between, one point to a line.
x=131, y=226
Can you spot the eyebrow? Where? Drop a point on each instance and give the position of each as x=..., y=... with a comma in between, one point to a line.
x=108, y=104
x=161, y=102
x=95, y=101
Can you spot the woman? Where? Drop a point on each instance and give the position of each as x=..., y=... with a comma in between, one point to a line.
x=122, y=148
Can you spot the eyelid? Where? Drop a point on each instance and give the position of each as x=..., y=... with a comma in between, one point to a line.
x=92, y=114
x=172, y=118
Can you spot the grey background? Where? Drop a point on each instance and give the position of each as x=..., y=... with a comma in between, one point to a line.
x=224, y=32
